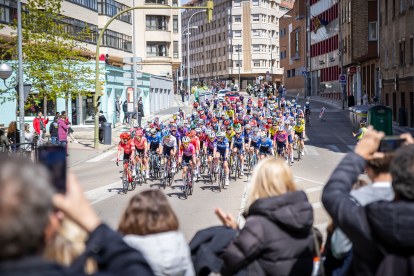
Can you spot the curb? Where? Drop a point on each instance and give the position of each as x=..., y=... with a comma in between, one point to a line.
x=92, y=156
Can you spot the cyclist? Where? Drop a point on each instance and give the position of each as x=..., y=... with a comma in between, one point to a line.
x=128, y=146
x=265, y=146
x=238, y=145
x=181, y=112
x=223, y=151
x=141, y=148
x=135, y=127
x=177, y=136
x=168, y=147
x=282, y=143
x=230, y=112
x=299, y=129
x=154, y=141
x=188, y=155
x=196, y=144
x=289, y=130
x=230, y=133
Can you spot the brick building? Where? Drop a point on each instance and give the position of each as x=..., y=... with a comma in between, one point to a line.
x=396, y=49
x=359, y=23
x=291, y=47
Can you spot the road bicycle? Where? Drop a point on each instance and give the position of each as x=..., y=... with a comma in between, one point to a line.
x=155, y=165
x=203, y=162
x=221, y=177
x=281, y=152
x=307, y=118
x=237, y=166
x=252, y=161
x=188, y=181
x=169, y=176
x=126, y=176
x=299, y=147
x=140, y=172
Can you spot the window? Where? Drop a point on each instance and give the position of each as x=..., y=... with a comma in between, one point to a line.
x=386, y=57
x=237, y=48
x=297, y=43
x=292, y=73
x=402, y=53
x=256, y=63
x=402, y=6
x=256, y=48
x=372, y=31
x=74, y=26
x=237, y=3
x=255, y=2
x=175, y=49
x=255, y=17
x=283, y=32
x=230, y=63
x=156, y=49
x=175, y=24
x=349, y=11
x=237, y=33
x=117, y=40
x=155, y=2
x=393, y=9
x=393, y=55
x=283, y=55
x=288, y=73
x=238, y=63
x=175, y=3
x=237, y=18
x=230, y=49
x=111, y=8
x=256, y=32
x=156, y=22
x=90, y=4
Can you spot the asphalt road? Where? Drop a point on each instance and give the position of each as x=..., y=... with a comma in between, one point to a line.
x=325, y=145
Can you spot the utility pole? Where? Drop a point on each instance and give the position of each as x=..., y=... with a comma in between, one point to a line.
x=342, y=58
x=20, y=72
x=239, y=66
x=188, y=49
x=134, y=67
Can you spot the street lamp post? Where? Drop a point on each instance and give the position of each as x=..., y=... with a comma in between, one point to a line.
x=188, y=49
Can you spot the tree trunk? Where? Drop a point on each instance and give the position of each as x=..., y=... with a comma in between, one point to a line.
x=45, y=105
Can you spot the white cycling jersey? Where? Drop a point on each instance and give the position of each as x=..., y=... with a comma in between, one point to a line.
x=172, y=143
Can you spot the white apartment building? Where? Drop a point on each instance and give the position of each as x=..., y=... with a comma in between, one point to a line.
x=243, y=37
x=158, y=36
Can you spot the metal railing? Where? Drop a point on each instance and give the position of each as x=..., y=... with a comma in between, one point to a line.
x=28, y=149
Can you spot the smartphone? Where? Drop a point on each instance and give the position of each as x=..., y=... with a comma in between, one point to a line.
x=390, y=143
x=54, y=158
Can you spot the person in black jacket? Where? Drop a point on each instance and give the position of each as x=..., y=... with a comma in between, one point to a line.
x=102, y=120
x=13, y=134
x=53, y=130
x=140, y=111
x=30, y=215
x=381, y=226
x=278, y=231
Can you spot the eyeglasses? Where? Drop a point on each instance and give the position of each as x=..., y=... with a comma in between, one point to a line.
x=186, y=144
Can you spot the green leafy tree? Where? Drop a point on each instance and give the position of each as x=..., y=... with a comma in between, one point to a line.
x=52, y=55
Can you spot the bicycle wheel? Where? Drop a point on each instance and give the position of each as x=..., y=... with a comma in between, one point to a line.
x=192, y=184
x=299, y=150
x=218, y=178
x=186, y=186
x=223, y=179
x=203, y=164
x=144, y=179
x=125, y=183
x=236, y=170
x=171, y=178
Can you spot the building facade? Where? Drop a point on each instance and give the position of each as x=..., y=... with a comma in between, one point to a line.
x=241, y=39
x=396, y=65
x=292, y=43
x=158, y=36
x=322, y=47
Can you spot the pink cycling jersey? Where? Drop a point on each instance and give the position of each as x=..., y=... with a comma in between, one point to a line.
x=190, y=151
x=140, y=144
x=281, y=137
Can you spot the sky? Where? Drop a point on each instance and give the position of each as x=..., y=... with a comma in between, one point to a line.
x=184, y=2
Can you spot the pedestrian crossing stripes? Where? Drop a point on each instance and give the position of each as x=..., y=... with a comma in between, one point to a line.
x=332, y=148
x=102, y=156
x=310, y=150
x=352, y=147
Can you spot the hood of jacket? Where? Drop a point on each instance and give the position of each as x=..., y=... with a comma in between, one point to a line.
x=290, y=211
x=368, y=194
x=392, y=223
x=167, y=253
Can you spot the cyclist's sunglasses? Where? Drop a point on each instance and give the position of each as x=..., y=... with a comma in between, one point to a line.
x=173, y=130
x=186, y=144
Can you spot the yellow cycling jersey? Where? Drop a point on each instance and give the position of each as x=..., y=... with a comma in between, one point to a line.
x=299, y=129
x=230, y=113
x=230, y=137
x=272, y=131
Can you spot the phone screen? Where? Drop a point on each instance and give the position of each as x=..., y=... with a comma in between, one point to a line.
x=54, y=158
x=390, y=144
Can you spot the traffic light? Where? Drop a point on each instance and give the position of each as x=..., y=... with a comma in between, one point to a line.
x=209, y=10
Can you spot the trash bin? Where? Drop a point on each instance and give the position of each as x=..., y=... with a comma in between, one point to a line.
x=401, y=116
x=380, y=117
x=360, y=114
x=351, y=101
x=107, y=133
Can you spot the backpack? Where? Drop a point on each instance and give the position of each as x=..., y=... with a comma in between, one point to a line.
x=125, y=106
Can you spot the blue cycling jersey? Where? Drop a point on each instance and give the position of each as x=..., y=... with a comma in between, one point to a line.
x=155, y=140
x=247, y=136
x=224, y=144
x=265, y=145
x=307, y=106
x=238, y=141
x=255, y=138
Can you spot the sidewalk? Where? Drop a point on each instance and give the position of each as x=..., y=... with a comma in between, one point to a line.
x=396, y=129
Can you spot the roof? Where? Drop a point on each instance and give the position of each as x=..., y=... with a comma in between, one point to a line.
x=287, y=3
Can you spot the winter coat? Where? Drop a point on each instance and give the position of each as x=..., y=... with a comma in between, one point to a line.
x=62, y=130
x=28, y=138
x=141, y=109
x=167, y=253
x=277, y=234
x=36, y=124
x=105, y=246
x=387, y=223
x=53, y=128
x=14, y=137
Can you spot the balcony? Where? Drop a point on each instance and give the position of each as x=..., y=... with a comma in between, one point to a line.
x=259, y=26
x=164, y=36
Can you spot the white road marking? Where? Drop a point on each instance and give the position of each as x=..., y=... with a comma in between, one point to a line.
x=317, y=182
x=317, y=205
x=102, y=156
x=352, y=147
x=314, y=189
x=332, y=148
x=240, y=220
x=112, y=160
x=310, y=150
x=102, y=193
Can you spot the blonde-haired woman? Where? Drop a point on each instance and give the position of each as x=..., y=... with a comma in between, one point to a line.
x=277, y=236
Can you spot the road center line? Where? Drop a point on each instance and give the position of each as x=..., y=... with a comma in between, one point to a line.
x=102, y=156
x=317, y=182
x=102, y=193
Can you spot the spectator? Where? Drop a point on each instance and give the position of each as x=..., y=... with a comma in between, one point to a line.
x=102, y=120
x=278, y=217
x=140, y=111
x=182, y=92
x=28, y=138
x=284, y=91
x=117, y=109
x=39, y=124
x=4, y=141
x=151, y=227
x=125, y=109
x=30, y=214
x=13, y=134
x=382, y=228
x=63, y=133
x=57, y=116
x=53, y=130
x=365, y=98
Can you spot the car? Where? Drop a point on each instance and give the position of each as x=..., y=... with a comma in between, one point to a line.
x=221, y=94
x=232, y=95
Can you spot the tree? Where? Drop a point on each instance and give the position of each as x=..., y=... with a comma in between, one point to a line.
x=52, y=55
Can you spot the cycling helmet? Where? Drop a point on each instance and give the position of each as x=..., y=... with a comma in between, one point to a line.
x=173, y=128
x=171, y=120
x=194, y=113
x=166, y=133
x=240, y=108
x=185, y=121
x=124, y=136
x=223, y=128
x=179, y=109
x=263, y=135
x=280, y=128
x=267, y=127
x=248, y=126
x=220, y=134
x=193, y=126
x=269, y=120
x=227, y=122
x=148, y=122
x=191, y=134
x=133, y=133
x=255, y=112
x=185, y=139
x=198, y=130
x=136, y=126
x=212, y=135
x=256, y=129
x=287, y=122
x=214, y=120
x=226, y=117
x=238, y=130
x=153, y=131
x=201, y=112
x=139, y=132
x=148, y=130
x=156, y=119
x=298, y=106
x=199, y=108
x=180, y=124
x=299, y=122
x=201, y=122
x=228, y=127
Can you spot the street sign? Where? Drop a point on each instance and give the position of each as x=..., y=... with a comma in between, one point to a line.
x=130, y=59
x=304, y=72
x=129, y=67
x=342, y=79
x=131, y=82
x=180, y=78
x=139, y=82
x=260, y=77
x=139, y=67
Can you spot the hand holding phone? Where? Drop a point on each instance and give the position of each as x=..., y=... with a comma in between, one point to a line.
x=54, y=158
x=390, y=144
